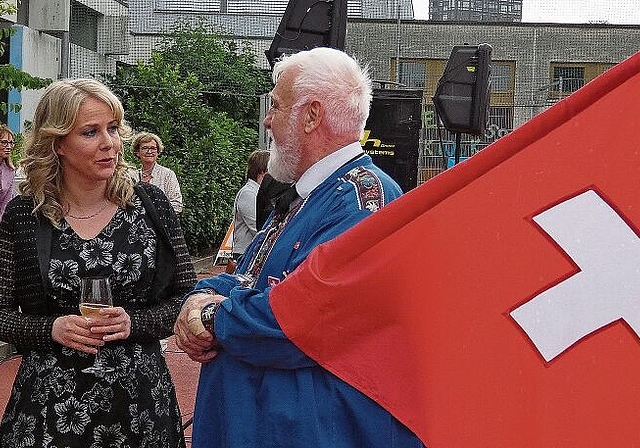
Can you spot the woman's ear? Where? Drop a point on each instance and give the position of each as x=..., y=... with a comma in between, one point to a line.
x=58, y=147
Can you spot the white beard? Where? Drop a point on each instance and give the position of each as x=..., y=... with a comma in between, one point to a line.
x=283, y=160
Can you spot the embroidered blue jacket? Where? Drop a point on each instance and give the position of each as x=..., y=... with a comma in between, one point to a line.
x=261, y=390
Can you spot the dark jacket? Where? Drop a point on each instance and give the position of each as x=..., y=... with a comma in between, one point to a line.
x=25, y=249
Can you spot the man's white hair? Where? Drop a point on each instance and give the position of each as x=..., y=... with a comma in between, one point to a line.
x=334, y=79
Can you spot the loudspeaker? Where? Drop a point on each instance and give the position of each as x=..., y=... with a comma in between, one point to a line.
x=462, y=95
x=392, y=134
x=307, y=24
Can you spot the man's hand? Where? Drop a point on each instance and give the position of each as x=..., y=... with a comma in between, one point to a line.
x=191, y=337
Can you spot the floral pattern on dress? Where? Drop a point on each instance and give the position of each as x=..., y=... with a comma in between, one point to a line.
x=53, y=404
x=73, y=416
x=64, y=274
x=97, y=252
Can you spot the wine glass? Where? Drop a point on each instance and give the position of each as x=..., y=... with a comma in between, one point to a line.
x=95, y=294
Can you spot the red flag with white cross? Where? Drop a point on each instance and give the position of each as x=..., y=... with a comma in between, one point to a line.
x=497, y=305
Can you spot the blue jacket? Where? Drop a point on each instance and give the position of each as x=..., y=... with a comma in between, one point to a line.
x=261, y=390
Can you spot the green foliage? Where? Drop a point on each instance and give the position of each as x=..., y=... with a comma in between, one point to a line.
x=211, y=176
x=206, y=147
x=11, y=77
x=232, y=81
x=16, y=154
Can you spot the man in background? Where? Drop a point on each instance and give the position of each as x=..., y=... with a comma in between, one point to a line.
x=244, y=206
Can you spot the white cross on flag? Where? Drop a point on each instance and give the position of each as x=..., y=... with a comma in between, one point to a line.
x=497, y=305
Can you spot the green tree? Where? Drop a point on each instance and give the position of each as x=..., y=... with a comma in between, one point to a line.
x=205, y=147
x=231, y=78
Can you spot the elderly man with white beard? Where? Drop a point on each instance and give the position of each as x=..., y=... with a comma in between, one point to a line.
x=256, y=388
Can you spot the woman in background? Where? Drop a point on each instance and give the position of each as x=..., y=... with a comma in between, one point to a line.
x=244, y=206
x=147, y=147
x=79, y=216
x=7, y=169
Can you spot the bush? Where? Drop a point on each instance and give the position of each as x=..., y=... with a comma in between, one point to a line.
x=210, y=174
x=206, y=148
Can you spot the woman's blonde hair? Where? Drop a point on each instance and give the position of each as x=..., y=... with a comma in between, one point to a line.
x=54, y=118
x=4, y=131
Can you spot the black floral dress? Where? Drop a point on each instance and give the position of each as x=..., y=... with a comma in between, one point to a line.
x=54, y=404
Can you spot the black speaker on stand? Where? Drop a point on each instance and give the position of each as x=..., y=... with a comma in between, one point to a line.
x=461, y=99
x=307, y=24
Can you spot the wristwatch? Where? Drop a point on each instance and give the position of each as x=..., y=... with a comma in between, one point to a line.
x=208, y=315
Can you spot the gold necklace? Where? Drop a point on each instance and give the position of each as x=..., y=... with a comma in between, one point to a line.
x=104, y=207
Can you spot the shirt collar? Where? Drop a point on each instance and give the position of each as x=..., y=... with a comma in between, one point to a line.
x=323, y=168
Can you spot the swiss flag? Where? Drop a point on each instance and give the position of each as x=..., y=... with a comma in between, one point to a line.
x=497, y=305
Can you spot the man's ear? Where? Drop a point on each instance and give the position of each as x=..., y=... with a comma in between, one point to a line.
x=313, y=116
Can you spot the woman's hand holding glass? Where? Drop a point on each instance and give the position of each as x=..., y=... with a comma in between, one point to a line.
x=87, y=333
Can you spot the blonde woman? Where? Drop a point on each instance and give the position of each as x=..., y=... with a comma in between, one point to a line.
x=147, y=147
x=80, y=215
x=7, y=169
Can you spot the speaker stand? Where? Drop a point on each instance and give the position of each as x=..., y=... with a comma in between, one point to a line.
x=457, y=148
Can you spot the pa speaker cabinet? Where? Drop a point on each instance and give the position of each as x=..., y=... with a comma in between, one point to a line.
x=308, y=24
x=392, y=134
x=462, y=95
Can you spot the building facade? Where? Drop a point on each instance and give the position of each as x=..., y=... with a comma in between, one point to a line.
x=252, y=21
x=63, y=38
x=475, y=10
x=534, y=65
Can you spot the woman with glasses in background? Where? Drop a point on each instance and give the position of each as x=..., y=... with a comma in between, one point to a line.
x=147, y=147
x=7, y=168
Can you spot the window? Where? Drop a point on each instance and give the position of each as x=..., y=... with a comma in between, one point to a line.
x=412, y=74
x=188, y=5
x=567, y=79
x=276, y=7
x=500, y=78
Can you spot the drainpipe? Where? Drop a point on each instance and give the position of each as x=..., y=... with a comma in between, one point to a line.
x=64, y=55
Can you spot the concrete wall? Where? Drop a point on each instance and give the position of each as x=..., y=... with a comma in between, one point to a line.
x=38, y=54
x=86, y=63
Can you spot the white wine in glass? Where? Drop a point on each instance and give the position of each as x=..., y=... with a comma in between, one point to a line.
x=95, y=294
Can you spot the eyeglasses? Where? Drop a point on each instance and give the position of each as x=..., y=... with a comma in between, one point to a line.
x=7, y=143
x=149, y=148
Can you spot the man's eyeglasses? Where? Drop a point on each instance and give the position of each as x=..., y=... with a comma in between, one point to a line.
x=147, y=148
x=7, y=143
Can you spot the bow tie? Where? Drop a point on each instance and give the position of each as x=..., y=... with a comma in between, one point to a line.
x=284, y=199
